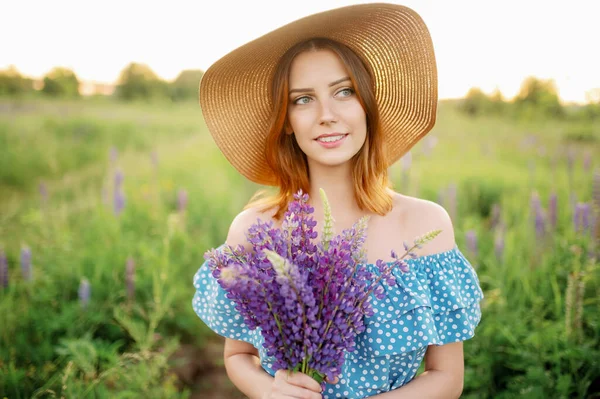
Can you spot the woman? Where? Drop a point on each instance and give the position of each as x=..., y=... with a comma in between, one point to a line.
x=331, y=101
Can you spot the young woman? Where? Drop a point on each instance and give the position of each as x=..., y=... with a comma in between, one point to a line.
x=331, y=101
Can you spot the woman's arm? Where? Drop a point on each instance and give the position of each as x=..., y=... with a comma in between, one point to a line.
x=444, y=365
x=443, y=376
x=244, y=370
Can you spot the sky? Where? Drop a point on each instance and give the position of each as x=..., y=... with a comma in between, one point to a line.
x=479, y=43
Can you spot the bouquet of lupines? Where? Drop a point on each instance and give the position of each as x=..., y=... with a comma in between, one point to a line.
x=308, y=297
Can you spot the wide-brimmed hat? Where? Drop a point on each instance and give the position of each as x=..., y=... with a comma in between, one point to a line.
x=391, y=39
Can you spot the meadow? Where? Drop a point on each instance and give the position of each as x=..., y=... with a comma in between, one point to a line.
x=106, y=210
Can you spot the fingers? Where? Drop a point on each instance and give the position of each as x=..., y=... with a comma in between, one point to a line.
x=335, y=380
x=296, y=385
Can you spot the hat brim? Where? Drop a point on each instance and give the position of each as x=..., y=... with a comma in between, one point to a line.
x=392, y=39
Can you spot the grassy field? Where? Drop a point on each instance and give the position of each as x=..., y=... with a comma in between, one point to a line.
x=106, y=209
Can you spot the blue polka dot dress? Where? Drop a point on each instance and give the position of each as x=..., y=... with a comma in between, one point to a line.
x=435, y=303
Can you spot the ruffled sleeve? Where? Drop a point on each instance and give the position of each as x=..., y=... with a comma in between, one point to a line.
x=218, y=312
x=436, y=302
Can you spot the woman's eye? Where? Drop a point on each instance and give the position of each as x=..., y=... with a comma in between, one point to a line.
x=347, y=92
x=301, y=100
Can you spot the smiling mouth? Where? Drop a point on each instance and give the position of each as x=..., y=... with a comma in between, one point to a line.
x=331, y=139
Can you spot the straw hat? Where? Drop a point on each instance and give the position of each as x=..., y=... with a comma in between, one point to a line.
x=392, y=39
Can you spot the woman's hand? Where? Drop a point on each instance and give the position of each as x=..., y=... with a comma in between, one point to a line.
x=288, y=385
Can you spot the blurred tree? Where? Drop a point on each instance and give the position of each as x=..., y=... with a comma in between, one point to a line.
x=12, y=83
x=138, y=81
x=538, y=96
x=61, y=82
x=185, y=86
x=476, y=102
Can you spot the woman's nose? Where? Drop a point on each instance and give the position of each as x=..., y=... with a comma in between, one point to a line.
x=327, y=112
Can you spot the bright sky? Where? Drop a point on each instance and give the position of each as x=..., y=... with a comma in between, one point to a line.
x=481, y=43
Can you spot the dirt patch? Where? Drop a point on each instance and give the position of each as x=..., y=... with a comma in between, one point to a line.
x=202, y=371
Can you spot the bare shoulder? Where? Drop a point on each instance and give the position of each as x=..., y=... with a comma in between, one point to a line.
x=242, y=222
x=421, y=216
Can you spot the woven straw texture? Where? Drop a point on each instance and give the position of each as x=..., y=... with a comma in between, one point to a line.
x=392, y=39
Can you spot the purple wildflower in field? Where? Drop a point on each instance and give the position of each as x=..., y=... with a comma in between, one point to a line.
x=3, y=270
x=119, y=177
x=471, y=237
x=581, y=217
x=539, y=219
x=552, y=210
x=309, y=298
x=182, y=200
x=596, y=192
x=586, y=216
x=26, y=263
x=540, y=223
x=118, y=201
x=84, y=293
x=130, y=277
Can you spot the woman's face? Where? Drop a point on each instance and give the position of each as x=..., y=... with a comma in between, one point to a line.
x=324, y=113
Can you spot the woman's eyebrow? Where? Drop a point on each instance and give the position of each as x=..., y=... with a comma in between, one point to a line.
x=335, y=82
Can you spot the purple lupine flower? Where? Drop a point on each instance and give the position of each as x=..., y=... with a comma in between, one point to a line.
x=581, y=217
x=119, y=177
x=130, y=277
x=577, y=214
x=84, y=293
x=596, y=205
x=535, y=203
x=471, y=236
x=540, y=223
x=118, y=201
x=499, y=246
x=3, y=270
x=539, y=219
x=182, y=200
x=26, y=263
x=586, y=217
x=308, y=298
x=552, y=210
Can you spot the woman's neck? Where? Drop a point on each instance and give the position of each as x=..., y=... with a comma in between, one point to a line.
x=339, y=188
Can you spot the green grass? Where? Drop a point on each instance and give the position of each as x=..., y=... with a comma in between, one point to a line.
x=119, y=346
